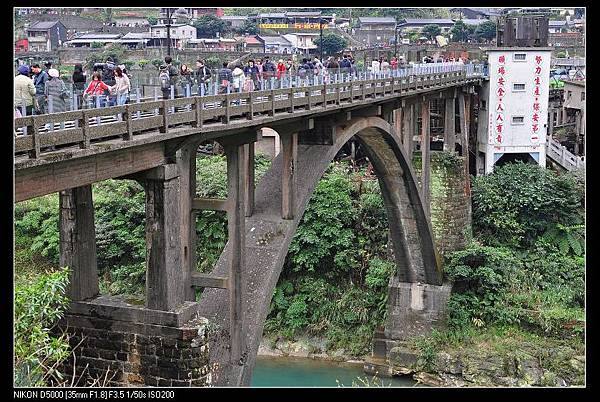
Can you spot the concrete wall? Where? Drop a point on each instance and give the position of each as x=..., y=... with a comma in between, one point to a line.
x=504, y=103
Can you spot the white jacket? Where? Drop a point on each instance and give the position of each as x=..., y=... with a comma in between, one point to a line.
x=238, y=77
x=122, y=85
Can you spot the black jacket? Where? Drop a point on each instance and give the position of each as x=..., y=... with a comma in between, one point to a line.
x=203, y=74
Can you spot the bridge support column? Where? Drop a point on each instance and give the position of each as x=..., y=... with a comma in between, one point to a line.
x=450, y=124
x=186, y=162
x=408, y=127
x=165, y=288
x=289, y=149
x=248, y=175
x=236, y=227
x=78, y=241
x=425, y=154
x=464, y=106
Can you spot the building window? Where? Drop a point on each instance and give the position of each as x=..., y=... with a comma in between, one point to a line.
x=569, y=93
x=483, y=105
x=519, y=56
x=516, y=120
x=518, y=87
x=582, y=96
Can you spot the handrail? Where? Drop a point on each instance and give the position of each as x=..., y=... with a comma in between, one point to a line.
x=559, y=154
x=82, y=127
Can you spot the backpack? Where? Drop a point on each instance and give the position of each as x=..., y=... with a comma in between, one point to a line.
x=165, y=81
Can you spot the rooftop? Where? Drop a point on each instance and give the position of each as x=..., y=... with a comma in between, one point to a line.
x=275, y=40
x=377, y=20
x=95, y=35
x=271, y=15
x=42, y=25
x=557, y=23
x=303, y=14
x=473, y=22
x=427, y=21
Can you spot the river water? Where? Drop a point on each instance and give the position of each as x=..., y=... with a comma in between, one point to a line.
x=303, y=372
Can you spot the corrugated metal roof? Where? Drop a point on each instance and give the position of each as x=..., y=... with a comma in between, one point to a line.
x=276, y=40
x=557, y=23
x=95, y=35
x=473, y=21
x=271, y=15
x=427, y=21
x=303, y=14
x=377, y=20
x=43, y=25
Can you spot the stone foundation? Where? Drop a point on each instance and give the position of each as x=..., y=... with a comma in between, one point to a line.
x=116, y=344
x=414, y=309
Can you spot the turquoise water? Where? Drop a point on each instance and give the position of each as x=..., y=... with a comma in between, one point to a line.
x=301, y=372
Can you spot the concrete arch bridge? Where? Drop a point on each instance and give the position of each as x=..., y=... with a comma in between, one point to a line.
x=173, y=340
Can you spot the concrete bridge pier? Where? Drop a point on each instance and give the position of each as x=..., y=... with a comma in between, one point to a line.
x=120, y=343
x=78, y=241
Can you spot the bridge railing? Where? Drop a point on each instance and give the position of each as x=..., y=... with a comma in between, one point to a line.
x=36, y=135
x=558, y=153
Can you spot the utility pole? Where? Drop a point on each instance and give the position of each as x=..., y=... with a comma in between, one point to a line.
x=396, y=41
x=321, y=28
x=168, y=31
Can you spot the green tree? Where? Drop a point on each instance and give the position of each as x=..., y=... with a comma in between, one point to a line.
x=332, y=43
x=459, y=32
x=207, y=26
x=249, y=27
x=152, y=20
x=486, y=30
x=431, y=31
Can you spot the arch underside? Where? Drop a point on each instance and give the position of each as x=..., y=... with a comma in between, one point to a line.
x=268, y=237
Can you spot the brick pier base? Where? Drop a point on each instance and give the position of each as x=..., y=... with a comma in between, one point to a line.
x=119, y=344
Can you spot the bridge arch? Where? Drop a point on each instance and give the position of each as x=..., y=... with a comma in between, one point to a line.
x=268, y=236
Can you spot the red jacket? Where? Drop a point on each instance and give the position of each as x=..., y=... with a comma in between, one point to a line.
x=280, y=70
x=96, y=88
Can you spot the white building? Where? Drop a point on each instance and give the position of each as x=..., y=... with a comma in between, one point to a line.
x=302, y=42
x=180, y=34
x=513, y=113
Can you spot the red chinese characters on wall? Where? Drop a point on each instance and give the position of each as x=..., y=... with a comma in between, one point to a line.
x=535, y=117
x=498, y=121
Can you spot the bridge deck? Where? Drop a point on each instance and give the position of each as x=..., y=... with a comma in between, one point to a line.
x=140, y=123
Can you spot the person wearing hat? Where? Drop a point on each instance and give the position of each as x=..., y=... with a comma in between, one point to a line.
x=56, y=93
x=24, y=91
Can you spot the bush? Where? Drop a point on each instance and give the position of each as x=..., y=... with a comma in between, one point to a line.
x=481, y=277
x=38, y=307
x=520, y=202
x=36, y=226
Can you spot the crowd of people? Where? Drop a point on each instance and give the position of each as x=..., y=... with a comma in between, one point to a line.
x=39, y=91
x=262, y=73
